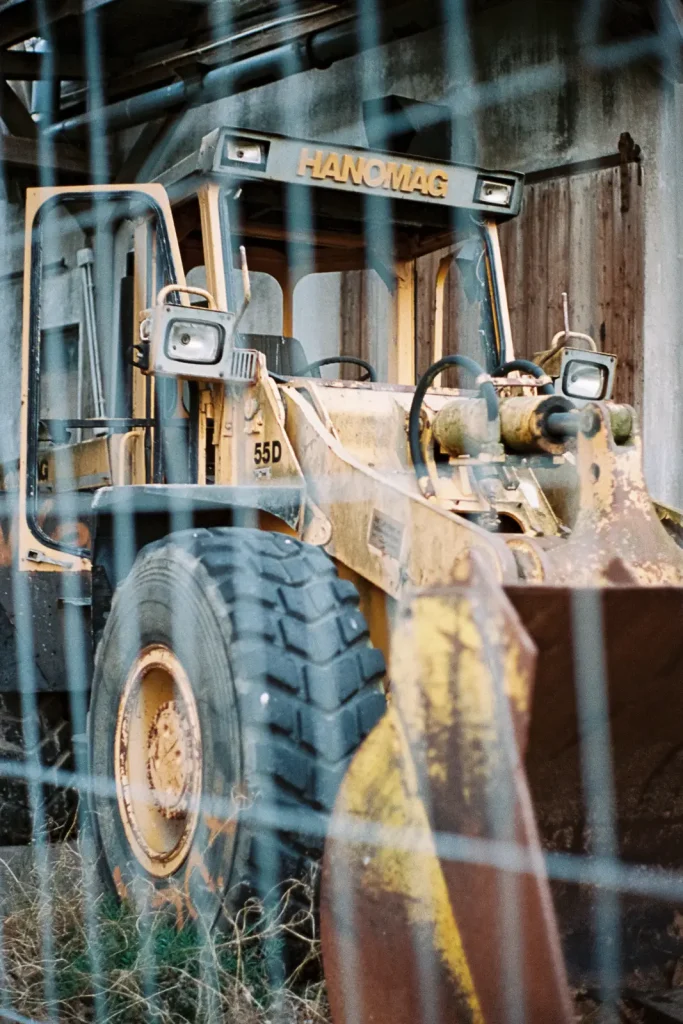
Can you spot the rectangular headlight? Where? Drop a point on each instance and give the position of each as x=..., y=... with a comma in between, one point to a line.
x=245, y=152
x=493, y=193
x=190, y=342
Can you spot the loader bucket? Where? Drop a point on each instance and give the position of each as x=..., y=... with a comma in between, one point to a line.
x=604, y=764
x=436, y=906
x=628, y=642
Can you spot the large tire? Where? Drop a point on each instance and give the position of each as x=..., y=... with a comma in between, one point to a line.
x=45, y=742
x=286, y=686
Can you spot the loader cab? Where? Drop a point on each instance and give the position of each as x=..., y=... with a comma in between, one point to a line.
x=351, y=253
x=374, y=258
x=370, y=257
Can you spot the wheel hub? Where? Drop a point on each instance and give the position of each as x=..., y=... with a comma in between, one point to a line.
x=171, y=760
x=158, y=761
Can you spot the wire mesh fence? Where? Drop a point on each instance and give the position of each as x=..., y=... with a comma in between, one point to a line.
x=343, y=692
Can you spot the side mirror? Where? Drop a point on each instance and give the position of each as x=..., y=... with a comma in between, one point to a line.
x=586, y=376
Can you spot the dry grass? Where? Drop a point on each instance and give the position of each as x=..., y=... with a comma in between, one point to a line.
x=69, y=958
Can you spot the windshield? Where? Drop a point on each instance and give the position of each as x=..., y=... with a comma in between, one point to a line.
x=333, y=292
x=351, y=313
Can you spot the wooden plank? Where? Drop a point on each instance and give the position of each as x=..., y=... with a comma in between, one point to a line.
x=603, y=264
x=534, y=292
x=514, y=259
x=624, y=388
x=634, y=278
x=559, y=258
x=581, y=255
x=571, y=235
x=425, y=270
x=351, y=318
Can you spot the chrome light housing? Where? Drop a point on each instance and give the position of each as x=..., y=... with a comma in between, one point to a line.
x=191, y=341
x=194, y=344
x=586, y=376
x=494, y=192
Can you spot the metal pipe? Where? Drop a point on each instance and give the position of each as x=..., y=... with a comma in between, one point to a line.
x=524, y=423
x=563, y=424
x=318, y=51
x=85, y=259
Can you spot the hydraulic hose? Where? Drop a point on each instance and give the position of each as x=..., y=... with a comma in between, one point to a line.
x=488, y=392
x=526, y=366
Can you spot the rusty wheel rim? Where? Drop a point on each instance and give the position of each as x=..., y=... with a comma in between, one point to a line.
x=158, y=761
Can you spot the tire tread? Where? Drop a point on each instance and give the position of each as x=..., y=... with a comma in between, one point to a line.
x=297, y=629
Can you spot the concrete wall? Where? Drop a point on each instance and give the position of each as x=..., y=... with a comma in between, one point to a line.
x=534, y=105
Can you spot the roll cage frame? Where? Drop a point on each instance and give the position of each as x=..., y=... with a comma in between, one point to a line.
x=420, y=223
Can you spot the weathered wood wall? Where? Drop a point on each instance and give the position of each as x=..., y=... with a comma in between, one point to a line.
x=574, y=236
x=579, y=233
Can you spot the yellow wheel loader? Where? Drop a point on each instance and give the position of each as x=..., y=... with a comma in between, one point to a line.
x=422, y=631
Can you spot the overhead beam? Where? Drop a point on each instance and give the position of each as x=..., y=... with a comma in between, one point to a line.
x=316, y=51
x=18, y=21
x=58, y=156
x=147, y=74
x=22, y=66
x=14, y=113
x=151, y=136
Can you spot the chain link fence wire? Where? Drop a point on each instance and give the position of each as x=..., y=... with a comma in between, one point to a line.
x=187, y=682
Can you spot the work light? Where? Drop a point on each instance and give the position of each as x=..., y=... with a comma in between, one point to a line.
x=194, y=341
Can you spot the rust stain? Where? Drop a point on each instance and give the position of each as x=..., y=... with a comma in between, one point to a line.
x=219, y=827
x=121, y=886
x=174, y=897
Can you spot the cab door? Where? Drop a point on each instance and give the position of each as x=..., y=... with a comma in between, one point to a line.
x=94, y=258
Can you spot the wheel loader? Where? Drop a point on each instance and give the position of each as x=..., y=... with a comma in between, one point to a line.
x=421, y=630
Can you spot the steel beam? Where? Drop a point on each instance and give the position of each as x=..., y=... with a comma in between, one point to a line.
x=14, y=113
x=317, y=51
x=20, y=152
x=22, y=66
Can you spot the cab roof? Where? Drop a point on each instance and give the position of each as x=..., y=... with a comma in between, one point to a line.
x=237, y=153
x=344, y=189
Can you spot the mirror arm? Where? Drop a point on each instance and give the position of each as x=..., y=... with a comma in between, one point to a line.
x=246, y=285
